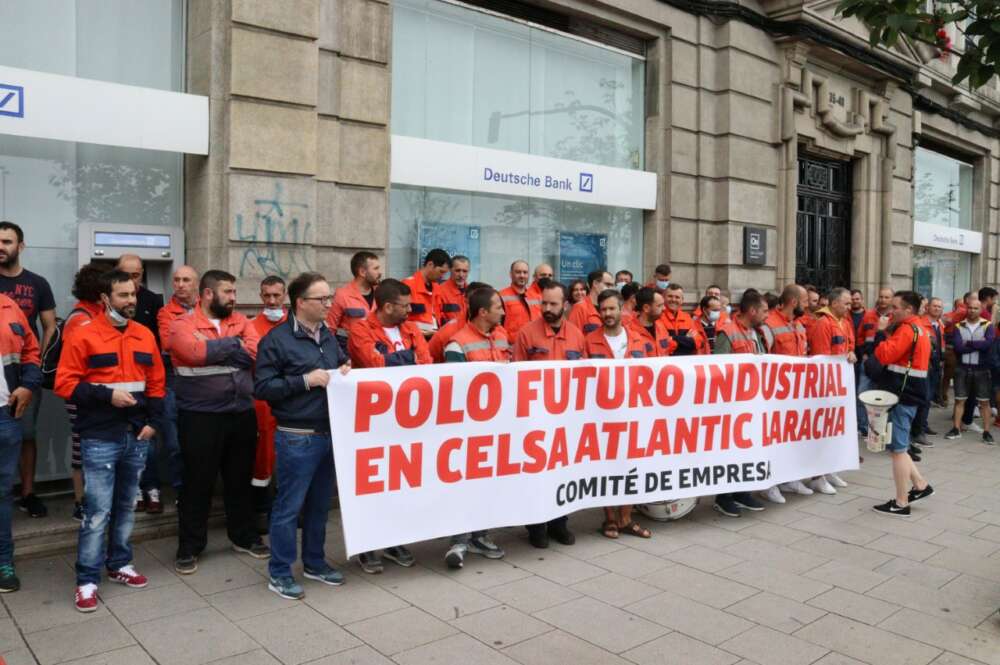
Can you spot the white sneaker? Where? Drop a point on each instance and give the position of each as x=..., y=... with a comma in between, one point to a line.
x=774, y=495
x=835, y=480
x=976, y=427
x=822, y=486
x=798, y=487
x=154, y=495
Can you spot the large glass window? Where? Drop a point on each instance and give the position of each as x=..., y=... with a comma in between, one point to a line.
x=49, y=187
x=464, y=76
x=941, y=273
x=942, y=190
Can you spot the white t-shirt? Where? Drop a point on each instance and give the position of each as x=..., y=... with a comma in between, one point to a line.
x=395, y=337
x=618, y=343
x=5, y=390
x=218, y=325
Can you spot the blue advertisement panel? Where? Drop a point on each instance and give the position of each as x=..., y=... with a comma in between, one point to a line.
x=455, y=239
x=581, y=253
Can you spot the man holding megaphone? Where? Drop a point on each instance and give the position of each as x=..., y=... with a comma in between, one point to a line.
x=901, y=358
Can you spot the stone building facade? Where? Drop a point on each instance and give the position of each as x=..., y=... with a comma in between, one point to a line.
x=301, y=93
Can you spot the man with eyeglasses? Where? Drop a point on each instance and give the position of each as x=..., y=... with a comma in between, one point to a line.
x=387, y=339
x=294, y=365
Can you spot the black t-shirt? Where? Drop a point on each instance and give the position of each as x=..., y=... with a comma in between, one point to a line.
x=652, y=330
x=32, y=293
x=369, y=297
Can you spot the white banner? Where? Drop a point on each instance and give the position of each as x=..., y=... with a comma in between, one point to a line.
x=469, y=168
x=947, y=237
x=437, y=450
x=67, y=108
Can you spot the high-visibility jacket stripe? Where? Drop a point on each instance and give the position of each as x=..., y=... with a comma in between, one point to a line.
x=208, y=370
x=127, y=386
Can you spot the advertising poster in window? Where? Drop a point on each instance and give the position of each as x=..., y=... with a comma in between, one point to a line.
x=456, y=239
x=581, y=253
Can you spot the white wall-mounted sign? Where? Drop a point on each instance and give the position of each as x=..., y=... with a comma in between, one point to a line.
x=426, y=163
x=66, y=108
x=947, y=237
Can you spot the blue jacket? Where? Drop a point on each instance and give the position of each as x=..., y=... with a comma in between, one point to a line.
x=973, y=351
x=284, y=357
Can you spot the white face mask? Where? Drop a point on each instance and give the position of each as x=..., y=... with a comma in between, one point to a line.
x=729, y=309
x=273, y=315
x=116, y=318
x=620, y=285
x=713, y=315
x=662, y=283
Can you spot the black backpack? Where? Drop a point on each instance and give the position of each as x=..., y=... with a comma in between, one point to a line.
x=50, y=356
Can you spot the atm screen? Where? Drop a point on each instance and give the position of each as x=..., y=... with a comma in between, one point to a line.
x=106, y=239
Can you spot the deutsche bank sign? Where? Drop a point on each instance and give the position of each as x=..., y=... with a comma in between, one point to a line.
x=12, y=100
x=438, y=164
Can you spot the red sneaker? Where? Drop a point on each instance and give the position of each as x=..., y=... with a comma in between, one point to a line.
x=86, y=598
x=128, y=576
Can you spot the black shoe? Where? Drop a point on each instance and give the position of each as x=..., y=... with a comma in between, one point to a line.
x=32, y=505
x=538, y=536
x=919, y=438
x=560, y=531
x=726, y=506
x=927, y=443
x=916, y=495
x=257, y=550
x=928, y=431
x=8, y=580
x=916, y=449
x=78, y=511
x=746, y=500
x=399, y=555
x=186, y=564
x=988, y=439
x=890, y=508
x=370, y=562
x=914, y=456
x=953, y=433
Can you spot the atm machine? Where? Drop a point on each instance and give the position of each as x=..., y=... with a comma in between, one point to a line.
x=161, y=249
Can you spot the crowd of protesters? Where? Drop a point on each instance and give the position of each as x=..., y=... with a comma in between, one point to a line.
x=182, y=392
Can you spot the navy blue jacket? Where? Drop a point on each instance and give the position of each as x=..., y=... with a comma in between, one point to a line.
x=284, y=357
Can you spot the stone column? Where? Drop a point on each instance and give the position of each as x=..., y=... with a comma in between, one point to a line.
x=298, y=171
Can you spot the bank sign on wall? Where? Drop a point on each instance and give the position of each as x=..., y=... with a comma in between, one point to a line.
x=66, y=108
x=947, y=237
x=442, y=165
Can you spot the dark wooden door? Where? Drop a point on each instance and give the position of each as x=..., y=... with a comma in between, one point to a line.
x=823, y=228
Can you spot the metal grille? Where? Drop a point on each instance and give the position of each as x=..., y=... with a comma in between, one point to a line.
x=823, y=224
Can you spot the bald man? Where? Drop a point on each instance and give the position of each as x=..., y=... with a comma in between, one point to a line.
x=542, y=272
x=147, y=303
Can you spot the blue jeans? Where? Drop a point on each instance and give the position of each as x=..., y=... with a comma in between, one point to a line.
x=165, y=440
x=901, y=416
x=303, y=469
x=10, y=451
x=864, y=383
x=111, y=471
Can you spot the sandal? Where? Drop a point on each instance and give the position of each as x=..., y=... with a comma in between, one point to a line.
x=635, y=529
x=609, y=529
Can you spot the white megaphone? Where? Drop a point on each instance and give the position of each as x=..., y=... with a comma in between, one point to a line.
x=877, y=404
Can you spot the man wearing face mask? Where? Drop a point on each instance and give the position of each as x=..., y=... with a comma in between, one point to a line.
x=111, y=369
x=213, y=352
x=712, y=291
x=623, y=277
x=710, y=318
x=272, y=296
x=661, y=277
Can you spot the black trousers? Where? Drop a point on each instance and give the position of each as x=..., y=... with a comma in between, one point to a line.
x=544, y=526
x=214, y=443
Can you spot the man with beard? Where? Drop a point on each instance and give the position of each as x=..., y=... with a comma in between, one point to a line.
x=520, y=305
x=33, y=295
x=213, y=352
x=613, y=340
x=551, y=337
x=449, y=296
x=648, y=325
x=354, y=301
x=110, y=368
x=387, y=339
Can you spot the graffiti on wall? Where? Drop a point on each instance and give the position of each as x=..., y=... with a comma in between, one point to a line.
x=278, y=237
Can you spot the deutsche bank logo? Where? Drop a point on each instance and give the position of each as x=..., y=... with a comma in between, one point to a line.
x=586, y=182
x=11, y=100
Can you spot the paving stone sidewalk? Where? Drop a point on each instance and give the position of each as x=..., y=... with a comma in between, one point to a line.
x=819, y=580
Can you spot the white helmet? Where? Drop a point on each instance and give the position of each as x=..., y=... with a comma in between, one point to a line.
x=666, y=511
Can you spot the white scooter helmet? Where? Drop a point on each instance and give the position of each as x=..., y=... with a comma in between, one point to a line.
x=667, y=511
